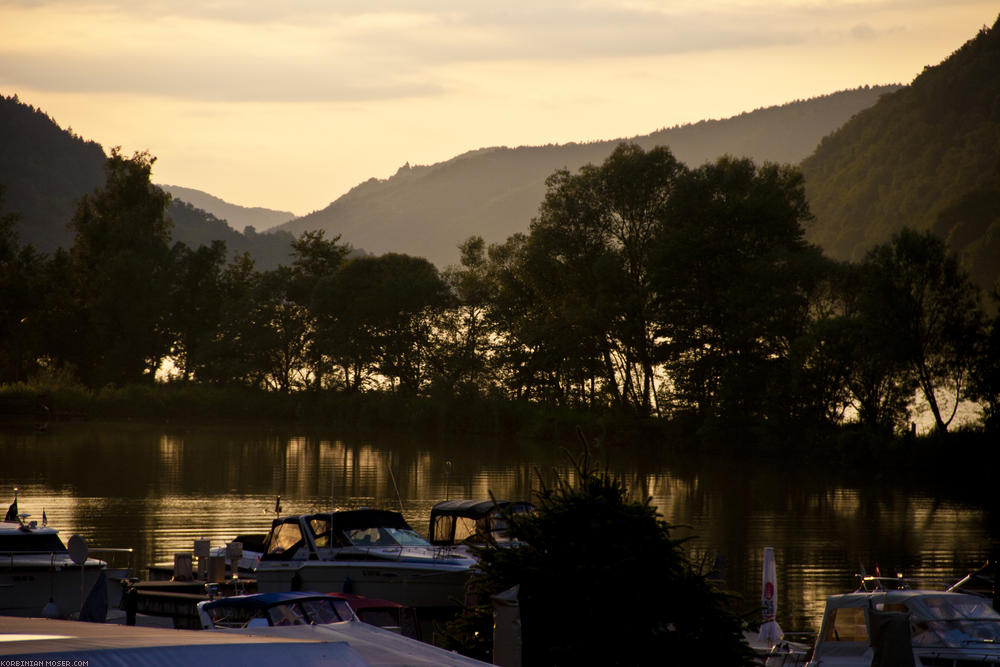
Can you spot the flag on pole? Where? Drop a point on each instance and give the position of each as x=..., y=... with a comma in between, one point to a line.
x=12, y=511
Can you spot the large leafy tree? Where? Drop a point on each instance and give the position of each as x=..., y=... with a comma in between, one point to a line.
x=861, y=354
x=733, y=279
x=931, y=309
x=23, y=290
x=196, y=304
x=314, y=258
x=464, y=334
x=587, y=263
x=122, y=270
x=986, y=376
x=590, y=549
x=375, y=315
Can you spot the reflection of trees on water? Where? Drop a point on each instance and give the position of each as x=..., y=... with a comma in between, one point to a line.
x=157, y=489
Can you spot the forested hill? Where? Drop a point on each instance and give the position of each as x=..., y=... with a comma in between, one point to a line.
x=926, y=156
x=494, y=192
x=46, y=170
x=238, y=217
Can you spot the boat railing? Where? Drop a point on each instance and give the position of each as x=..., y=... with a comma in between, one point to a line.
x=870, y=584
x=9, y=556
x=115, y=555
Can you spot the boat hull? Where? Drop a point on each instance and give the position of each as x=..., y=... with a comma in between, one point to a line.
x=26, y=588
x=412, y=585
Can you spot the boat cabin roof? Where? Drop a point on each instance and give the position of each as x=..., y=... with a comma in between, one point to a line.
x=474, y=509
x=353, y=519
x=15, y=537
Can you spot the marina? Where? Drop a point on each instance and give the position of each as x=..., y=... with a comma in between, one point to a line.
x=157, y=490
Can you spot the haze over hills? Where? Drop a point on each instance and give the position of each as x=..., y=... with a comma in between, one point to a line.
x=926, y=156
x=238, y=217
x=494, y=192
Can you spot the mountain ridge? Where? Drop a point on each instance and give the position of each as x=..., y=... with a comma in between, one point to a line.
x=239, y=217
x=428, y=210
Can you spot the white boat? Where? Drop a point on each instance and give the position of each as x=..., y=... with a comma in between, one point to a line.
x=41, y=576
x=921, y=627
x=369, y=552
x=321, y=618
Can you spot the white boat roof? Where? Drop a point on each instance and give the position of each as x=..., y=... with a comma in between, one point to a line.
x=100, y=645
x=861, y=598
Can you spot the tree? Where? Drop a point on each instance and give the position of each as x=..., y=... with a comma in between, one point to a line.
x=861, y=353
x=931, y=309
x=986, y=377
x=374, y=316
x=196, y=304
x=121, y=266
x=733, y=277
x=587, y=262
x=462, y=348
x=588, y=548
x=313, y=259
x=22, y=288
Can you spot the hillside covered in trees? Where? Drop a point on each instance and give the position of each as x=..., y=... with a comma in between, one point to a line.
x=644, y=289
x=46, y=171
x=494, y=192
x=926, y=156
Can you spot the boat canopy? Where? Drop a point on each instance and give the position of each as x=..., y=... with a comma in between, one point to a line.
x=937, y=619
x=456, y=521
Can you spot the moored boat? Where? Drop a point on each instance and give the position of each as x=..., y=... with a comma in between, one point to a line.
x=893, y=624
x=368, y=552
x=466, y=522
x=42, y=576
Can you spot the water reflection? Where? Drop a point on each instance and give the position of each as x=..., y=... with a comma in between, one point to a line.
x=157, y=489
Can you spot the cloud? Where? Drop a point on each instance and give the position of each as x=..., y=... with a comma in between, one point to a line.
x=323, y=50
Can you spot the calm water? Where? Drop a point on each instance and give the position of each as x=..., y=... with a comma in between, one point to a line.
x=157, y=489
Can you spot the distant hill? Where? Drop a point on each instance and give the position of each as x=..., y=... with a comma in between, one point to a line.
x=926, y=156
x=238, y=217
x=494, y=192
x=46, y=170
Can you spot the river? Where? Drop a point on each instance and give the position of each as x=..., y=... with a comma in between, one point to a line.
x=157, y=488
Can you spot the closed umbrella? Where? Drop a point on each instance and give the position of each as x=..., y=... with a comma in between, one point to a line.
x=770, y=631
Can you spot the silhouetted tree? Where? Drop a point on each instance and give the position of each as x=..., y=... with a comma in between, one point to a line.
x=121, y=267
x=733, y=277
x=196, y=304
x=931, y=309
x=374, y=317
x=587, y=263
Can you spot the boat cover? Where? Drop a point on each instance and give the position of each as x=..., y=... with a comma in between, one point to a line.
x=366, y=518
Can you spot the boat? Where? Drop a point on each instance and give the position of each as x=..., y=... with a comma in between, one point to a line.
x=321, y=618
x=887, y=622
x=368, y=552
x=303, y=608
x=42, y=576
x=472, y=522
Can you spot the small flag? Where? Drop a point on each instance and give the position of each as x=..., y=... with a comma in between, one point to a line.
x=12, y=511
x=45, y=519
x=277, y=505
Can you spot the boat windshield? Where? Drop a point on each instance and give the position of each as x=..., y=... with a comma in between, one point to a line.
x=956, y=622
x=381, y=536
x=28, y=542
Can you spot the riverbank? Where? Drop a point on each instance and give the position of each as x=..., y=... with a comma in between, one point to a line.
x=966, y=452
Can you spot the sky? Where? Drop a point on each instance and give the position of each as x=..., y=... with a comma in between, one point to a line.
x=289, y=104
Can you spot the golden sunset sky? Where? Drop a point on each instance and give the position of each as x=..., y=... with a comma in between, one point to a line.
x=290, y=104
